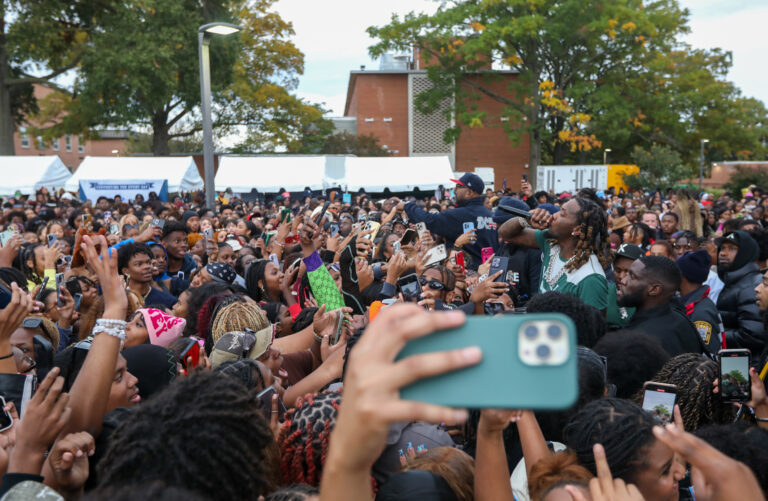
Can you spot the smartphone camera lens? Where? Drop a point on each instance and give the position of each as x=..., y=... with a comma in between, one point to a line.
x=554, y=332
x=543, y=351
x=531, y=332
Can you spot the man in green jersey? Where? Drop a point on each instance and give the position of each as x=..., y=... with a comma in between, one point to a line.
x=572, y=248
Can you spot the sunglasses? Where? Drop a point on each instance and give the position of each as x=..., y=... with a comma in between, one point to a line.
x=433, y=284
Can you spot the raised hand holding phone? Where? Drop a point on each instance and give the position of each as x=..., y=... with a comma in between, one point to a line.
x=19, y=306
x=371, y=400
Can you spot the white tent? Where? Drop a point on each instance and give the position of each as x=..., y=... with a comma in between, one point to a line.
x=270, y=173
x=180, y=172
x=30, y=173
x=397, y=173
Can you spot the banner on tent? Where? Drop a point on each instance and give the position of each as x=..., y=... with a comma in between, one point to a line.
x=126, y=188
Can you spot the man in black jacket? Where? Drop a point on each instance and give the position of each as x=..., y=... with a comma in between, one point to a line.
x=649, y=286
x=470, y=209
x=736, y=256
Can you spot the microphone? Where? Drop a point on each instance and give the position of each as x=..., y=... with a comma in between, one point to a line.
x=515, y=211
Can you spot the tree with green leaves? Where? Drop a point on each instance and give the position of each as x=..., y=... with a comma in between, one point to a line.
x=561, y=49
x=47, y=35
x=659, y=167
x=142, y=70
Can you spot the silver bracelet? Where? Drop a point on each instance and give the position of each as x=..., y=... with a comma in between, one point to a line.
x=115, y=328
x=761, y=419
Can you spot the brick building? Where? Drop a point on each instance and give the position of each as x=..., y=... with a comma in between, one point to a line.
x=71, y=149
x=381, y=102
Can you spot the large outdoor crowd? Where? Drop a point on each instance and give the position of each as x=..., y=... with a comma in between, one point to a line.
x=249, y=350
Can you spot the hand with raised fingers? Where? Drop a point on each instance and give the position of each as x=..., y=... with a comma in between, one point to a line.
x=14, y=313
x=605, y=487
x=103, y=262
x=715, y=476
x=371, y=399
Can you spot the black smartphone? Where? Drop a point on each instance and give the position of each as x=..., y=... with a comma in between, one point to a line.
x=659, y=399
x=44, y=352
x=499, y=263
x=5, y=294
x=525, y=177
x=410, y=288
x=59, y=280
x=322, y=213
x=78, y=299
x=6, y=421
x=42, y=288
x=735, y=384
x=265, y=397
x=408, y=237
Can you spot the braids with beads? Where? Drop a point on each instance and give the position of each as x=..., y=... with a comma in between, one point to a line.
x=693, y=374
x=204, y=432
x=593, y=234
x=622, y=427
x=305, y=435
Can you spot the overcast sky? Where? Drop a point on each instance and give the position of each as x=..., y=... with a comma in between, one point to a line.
x=332, y=36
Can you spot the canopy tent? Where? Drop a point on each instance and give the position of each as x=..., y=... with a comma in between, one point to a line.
x=27, y=174
x=180, y=172
x=269, y=174
x=397, y=173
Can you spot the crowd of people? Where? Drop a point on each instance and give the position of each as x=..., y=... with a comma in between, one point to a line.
x=169, y=350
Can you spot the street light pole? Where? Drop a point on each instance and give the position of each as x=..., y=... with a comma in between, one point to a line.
x=701, y=163
x=203, y=42
x=605, y=156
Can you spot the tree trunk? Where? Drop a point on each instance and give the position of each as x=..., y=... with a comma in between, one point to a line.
x=534, y=137
x=160, y=134
x=6, y=117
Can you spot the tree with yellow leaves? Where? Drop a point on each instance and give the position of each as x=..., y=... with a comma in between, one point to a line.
x=562, y=50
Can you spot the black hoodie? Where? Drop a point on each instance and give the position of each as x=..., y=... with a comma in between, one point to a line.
x=736, y=303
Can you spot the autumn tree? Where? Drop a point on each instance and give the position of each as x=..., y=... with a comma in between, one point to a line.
x=141, y=70
x=562, y=50
x=39, y=41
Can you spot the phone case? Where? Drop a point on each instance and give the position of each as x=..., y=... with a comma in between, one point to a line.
x=502, y=379
x=485, y=253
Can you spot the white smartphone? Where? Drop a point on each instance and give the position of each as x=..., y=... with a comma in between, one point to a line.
x=436, y=254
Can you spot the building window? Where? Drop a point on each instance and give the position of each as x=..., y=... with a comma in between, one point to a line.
x=55, y=144
x=24, y=137
x=40, y=143
x=68, y=142
x=80, y=144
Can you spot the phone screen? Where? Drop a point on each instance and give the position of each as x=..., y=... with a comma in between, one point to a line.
x=659, y=400
x=409, y=286
x=735, y=385
x=408, y=237
x=5, y=418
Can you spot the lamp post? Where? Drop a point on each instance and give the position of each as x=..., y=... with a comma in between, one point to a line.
x=204, y=34
x=605, y=156
x=701, y=163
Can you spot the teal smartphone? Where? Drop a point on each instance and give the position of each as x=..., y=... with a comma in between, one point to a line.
x=529, y=362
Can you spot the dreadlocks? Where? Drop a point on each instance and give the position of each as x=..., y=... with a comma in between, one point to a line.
x=693, y=374
x=622, y=427
x=233, y=313
x=179, y=438
x=305, y=435
x=593, y=234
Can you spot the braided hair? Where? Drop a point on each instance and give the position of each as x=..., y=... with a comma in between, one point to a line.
x=305, y=435
x=294, y=492
x=30, y=272
x=593, y=235
x=253, y=275
x=234, y=313
x=622, y=427
x=693, y=374
x=179, y=438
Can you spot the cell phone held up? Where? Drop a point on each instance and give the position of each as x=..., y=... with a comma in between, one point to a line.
x=537, y=348
x=659, y=399
x=735, y=384
x=499, y=264
x=409, y=287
